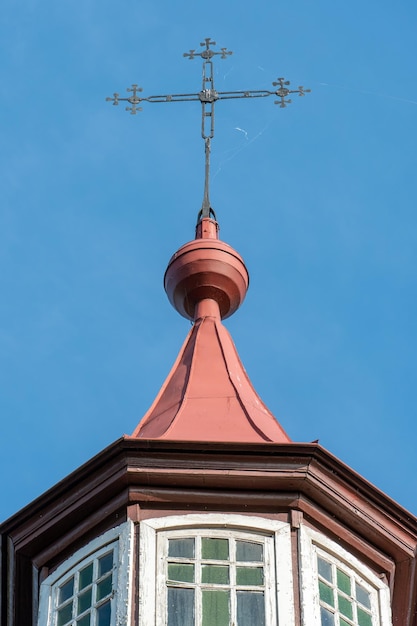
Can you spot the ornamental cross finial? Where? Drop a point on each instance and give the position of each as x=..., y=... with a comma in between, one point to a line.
x=208, y=52
x=208, y=96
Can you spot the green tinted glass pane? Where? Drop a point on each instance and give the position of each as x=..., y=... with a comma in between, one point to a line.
x=86, y=576
x=104, y=588
x=64, y=615
x=327, y=618
x=104, y=614
x=363, y=596
x=180, y=607
x=84, y=601
x=182, y=548
x=325, y=569
x=343, y=623
x=66, y=591
x=105, y=564
x=249, y=575
x=364, y=618
x=84, y=621
x=250, y=608
x=217, y=549
x=345, y=606
x=215, y=574
x=326, y=593
x=181, y=573
x=248, y=551
x=343, y=582
x=216, y=608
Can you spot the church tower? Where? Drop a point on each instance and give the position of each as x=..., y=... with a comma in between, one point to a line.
x=209, y=514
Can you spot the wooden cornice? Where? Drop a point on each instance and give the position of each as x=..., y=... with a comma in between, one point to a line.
x=131, y=470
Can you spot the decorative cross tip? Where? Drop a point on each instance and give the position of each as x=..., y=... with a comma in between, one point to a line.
x=134, y=99
x=283, y=91
x=114, y=100
x=208, y=53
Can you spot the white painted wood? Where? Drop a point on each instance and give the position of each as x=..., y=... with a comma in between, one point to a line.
x=385, y=606
x=207, y=520
x=312, y=543
x=125, y=576
x=121, y=540
x=275, y=536
x=147, y=574
x=310, y=609
x=284, y=576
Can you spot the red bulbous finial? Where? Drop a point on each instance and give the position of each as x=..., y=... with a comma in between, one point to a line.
x=206, y=269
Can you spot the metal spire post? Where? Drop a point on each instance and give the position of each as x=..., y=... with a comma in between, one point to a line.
x=208, y=96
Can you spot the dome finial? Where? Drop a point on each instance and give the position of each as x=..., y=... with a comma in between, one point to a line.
x=206, y=269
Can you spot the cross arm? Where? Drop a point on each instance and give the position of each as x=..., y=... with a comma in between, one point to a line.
x=175, y=97
x=248, y=93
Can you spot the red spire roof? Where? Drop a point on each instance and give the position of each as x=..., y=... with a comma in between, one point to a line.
x=208, y=395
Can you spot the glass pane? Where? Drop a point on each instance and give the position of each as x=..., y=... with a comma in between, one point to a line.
x=86, y=576
x=248, y=551
x=364, y=618
x=64, y=615
x=343, y=623
x=216, y=608
x=180, y=572
x=363, y=596
x=66, y=591
x=183, y=548
x=84, y=601
x=327, y=618
x=343, y=582
x=180, y=607
x=104, y=588
x=326, y=593
x=345, y=606
x=105, y=564
x=249, y=575
x=104, y=614
x=215, y=549
x=250, y=608
x=84, y=621
x=216, y=574
x=325, y=569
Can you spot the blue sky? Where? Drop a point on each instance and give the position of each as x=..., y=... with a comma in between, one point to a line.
x=319, y=199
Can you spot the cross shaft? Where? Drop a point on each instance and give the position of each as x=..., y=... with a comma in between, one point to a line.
x=208, y=96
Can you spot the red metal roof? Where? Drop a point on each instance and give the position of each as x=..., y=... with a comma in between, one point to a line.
x=208, y=395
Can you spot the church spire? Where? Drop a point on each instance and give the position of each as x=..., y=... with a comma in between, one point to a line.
x=208, y=395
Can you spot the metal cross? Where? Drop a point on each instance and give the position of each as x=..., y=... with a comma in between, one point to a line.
x=208, y=96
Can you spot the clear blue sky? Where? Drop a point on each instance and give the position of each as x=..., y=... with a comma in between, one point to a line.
x=319, y=198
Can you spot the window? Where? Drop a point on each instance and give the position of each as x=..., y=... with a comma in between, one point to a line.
x=90, y=588
x=337, y=589
x=216, y=570
x=215, y=578
x=85, y=597
x=345, y=598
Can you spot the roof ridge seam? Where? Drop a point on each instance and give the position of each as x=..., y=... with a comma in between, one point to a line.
x=194, y=333
x=245, y=411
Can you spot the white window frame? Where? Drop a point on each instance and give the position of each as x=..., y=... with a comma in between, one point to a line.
x=151, y=579
x=312, y=543
x=121, y=538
